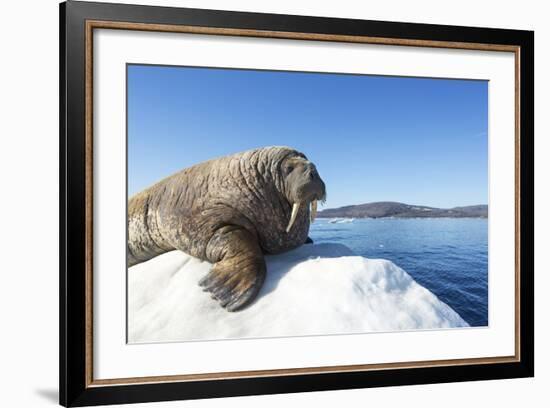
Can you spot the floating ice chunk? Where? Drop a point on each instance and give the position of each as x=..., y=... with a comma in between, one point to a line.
x=313, y=290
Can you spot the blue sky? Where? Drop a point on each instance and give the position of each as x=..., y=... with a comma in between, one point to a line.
x=373, y=138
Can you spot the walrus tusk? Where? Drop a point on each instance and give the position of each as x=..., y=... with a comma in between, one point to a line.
x=295, y=208
x=313, y=212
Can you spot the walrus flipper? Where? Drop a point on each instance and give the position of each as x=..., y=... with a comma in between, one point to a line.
x=239, y=269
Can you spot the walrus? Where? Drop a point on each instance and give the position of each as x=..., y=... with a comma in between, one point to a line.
x=230, y=211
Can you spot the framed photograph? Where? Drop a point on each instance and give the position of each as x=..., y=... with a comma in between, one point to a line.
x=256, y=203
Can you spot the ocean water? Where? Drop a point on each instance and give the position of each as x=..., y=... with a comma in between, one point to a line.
x=448, y=256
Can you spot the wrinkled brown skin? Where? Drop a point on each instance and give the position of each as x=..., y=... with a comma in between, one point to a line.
x=229, y=211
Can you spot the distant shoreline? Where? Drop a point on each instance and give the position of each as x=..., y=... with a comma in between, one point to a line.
x=403, y=218
x=390, y=209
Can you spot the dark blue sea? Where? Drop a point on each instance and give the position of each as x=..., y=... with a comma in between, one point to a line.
x=448, y=256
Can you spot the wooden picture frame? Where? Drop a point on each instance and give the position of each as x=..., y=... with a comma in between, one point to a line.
x=78, y=20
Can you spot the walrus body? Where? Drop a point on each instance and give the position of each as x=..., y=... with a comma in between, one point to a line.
x=229, y=211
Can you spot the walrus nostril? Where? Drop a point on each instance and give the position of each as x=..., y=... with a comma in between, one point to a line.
x=313, y=173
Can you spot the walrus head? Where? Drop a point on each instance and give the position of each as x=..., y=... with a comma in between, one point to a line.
x=302, y=186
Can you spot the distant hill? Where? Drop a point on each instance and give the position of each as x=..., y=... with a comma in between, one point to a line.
x=399, y=210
